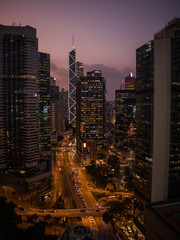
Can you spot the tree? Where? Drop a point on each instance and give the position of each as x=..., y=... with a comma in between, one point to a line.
x=107, y=217
x=35, y=232
x=117, y=210
x=8, y=220
x=113, y=161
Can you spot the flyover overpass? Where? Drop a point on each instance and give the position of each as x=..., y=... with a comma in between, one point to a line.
x=56, y=213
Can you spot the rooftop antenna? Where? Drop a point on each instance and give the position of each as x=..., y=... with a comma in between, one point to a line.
x=73, y=41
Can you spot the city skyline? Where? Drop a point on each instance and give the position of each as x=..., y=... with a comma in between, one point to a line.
x=107, y=33
x=108, y=168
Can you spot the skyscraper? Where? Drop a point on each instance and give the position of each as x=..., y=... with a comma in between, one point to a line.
x=54, y=98
x=90, y=110
x=72, y=87
x=130, y=82
x=144, y=128
x=63, y=112
x=19, y=111
x=19, y=129
x=125, y=104
x=157, y=165
x=79, y=69
x=44, y=96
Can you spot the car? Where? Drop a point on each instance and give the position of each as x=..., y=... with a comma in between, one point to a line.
x=22, y=209
x=126, y=233
x=82, y=210
x=42, y=211
x=97, y=210
x=53, y=211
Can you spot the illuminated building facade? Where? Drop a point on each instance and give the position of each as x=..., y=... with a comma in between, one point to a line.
x=130, y=82
x=110, y=116
x=19, y=111
x=19, y=121
x=157, y=164
x=54, y=98
x=72, y=87
x=79, y=69
x=90, y=109
x=44, y=96
x=144, y=128
x=125, y=104
x=63, y=111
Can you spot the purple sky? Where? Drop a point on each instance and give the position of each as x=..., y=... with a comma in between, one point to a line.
x=107, y=32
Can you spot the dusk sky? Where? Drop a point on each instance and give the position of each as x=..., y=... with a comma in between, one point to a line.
x=107, y=32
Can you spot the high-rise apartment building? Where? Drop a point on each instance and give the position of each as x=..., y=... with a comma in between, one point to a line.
x=90, y=111
x=157, y=164
x=44, y=97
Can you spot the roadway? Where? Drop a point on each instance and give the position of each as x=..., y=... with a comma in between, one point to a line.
x=57, y=213
x=74, y=189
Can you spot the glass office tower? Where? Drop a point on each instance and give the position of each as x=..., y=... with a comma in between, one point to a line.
x=125, y=103
x=157, y=164
x=19, y=129
x=44, y=96
x=144, y=128
x=90, y=113
x=20, y=164
x=72, y=87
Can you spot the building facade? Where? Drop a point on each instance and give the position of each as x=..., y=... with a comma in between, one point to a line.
x=162, y=221
x=144, y=128
x=90, y=112
x=79, y=69
x=44, y=96
x=130, y=82
x=72, y=87
x=19, y=120
x=157, y=164
x=54, y=99
x=125, y=104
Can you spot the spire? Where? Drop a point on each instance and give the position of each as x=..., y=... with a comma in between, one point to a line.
x=73, y=41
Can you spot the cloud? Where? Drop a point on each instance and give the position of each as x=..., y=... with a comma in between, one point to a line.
x=61, y=75
x=113, y=77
